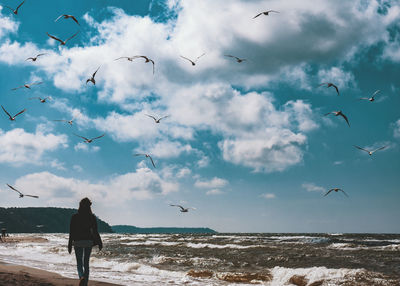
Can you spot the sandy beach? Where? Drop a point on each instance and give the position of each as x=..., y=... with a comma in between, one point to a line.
x=18, y=275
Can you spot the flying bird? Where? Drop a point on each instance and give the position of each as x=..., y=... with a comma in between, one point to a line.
x=239, y=60
x=16, y=10
x=12, y=118
x=337, y=113
x=91, y=79
x=370, y=152
x=33, y=59
x=65, y=16
x=147, y=59
x=27, y=85
x=182, y=209
x=63, y=120
x=42, y=100
x=372, y=98
x=87, y=140
x=266, y=13
x=62, y=43
x=335, y=190
x=193, y=62
x=21, y=195
x=155, y=119
x=329, y=84
x=147, y=156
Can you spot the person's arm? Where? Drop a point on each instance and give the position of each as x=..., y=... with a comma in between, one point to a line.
x=97, y=237
x=70, y=236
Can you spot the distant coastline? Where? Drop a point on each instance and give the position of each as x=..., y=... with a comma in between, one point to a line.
x=167, y=230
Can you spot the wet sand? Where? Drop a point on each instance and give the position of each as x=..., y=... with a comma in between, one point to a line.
x=25, y=276
x=18, y=275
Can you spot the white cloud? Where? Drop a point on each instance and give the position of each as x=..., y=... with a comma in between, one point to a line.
x=214, y=192
x=211, y=184
x=56, y=190
x=312, y=187
x=168, y=149
x=18, y=146
x=396, y=130
x=87, y=147
x=183, y=172
x=268, y=196
x=337, y=76
x=7, y=25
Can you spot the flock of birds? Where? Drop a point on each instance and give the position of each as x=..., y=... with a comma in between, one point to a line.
x=157, y=120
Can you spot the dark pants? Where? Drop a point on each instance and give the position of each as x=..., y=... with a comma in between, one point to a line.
x=82, y=255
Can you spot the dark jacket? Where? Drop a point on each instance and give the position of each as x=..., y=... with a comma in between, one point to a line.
x=84, y=228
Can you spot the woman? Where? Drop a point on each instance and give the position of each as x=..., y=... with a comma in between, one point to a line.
x=83, y=235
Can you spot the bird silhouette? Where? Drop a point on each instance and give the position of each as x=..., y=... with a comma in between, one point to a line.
x=21, y=195
x=87, y=140
x=266, y=13
x=91, y=79
x=193, y=62
x=335, y=190
x=62, y=43
x=33, y=59
x=12, y=118
x=65, y=16
x=147, y=156
x=339, y=113
x=239, y=60
x=155, y=119
x=329, y=84
x=16, y=10
x=63, y=120
x=370, y=152
x=42, y=100
x=182, y=209
x=372, y=98
x=28, y=86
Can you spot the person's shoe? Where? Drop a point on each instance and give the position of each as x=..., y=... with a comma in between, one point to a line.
x=82, y=281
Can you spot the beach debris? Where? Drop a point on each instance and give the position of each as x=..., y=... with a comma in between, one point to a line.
x=200, y=273
x=298, y=280
x=244, y=277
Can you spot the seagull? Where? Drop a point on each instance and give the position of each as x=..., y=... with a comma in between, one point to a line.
x=86, y=140
x=372, y=98
x=193, y=62
x=27, y=85
x=182, y=209
x=370, y=152
x=337, y=113
x=239, y=60
x=12, y=118
x=329, y=84
x=155, y=119
x=62, y=43
x=266, y=13
x=92, y=78
x=63, y=120
x=42, y=100
x=335, y=190
x=147, y=156
x=21, y=195
x=65, y=16
x=16, y=10
x=33, y=59
x=147, y=59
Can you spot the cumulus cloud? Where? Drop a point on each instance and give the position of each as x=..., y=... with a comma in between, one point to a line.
x=141, y=184
x=396, y=130
x=7, y=25
x=312, y=187
x=18, y=146
x=86, y=147
x=268, y=196
x=211, y=184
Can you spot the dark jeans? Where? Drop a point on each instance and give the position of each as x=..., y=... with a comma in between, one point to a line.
x=82, y=255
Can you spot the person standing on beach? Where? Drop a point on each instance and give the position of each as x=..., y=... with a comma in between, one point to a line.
x=83, y=235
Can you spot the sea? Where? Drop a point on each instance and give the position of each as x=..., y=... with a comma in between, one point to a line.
x=223, y=259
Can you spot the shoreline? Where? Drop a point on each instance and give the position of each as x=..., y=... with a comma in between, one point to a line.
x=19, y=275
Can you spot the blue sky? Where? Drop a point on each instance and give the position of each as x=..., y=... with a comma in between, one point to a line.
x=246, y=144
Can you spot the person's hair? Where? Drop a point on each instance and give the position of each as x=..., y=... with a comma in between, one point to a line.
x=84, y=207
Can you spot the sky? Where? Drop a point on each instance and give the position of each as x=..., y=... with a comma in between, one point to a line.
x=245, y=144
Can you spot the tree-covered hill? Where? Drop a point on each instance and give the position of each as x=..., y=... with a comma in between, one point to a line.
x=47, y=220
